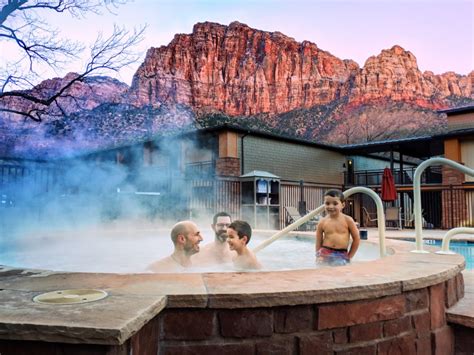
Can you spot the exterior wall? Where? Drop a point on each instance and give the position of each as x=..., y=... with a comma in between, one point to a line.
x=228, y=162
x=228, y=166
x=193, y=152
x=452, y=149
x=228, y=144
x=462, y=121
x=460, y=206
x=292, y=161
x=467, y=156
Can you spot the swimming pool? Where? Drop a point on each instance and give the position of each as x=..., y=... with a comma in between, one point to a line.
x=465, y=248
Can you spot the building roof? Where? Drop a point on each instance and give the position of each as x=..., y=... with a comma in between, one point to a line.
x=458, y=110
x=260, y=173
x=456, y=133
x=419, y=147
x=265, y=134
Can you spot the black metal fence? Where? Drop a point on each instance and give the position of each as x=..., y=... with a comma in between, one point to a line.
x=432, y=175
x=443, y=206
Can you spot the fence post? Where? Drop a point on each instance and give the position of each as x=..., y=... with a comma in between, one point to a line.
x=451, y=207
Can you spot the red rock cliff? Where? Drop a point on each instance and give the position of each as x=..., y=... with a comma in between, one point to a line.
x=242, y=71
x=394, y=74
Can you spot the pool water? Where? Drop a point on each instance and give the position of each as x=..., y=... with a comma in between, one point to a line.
x=129, y=252
x=465, y=248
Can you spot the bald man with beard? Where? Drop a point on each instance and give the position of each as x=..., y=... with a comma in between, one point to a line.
x=186, y=237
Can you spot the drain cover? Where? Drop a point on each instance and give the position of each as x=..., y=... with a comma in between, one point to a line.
x=70, y=296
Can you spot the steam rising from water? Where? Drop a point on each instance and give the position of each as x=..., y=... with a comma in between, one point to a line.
x=123, y=188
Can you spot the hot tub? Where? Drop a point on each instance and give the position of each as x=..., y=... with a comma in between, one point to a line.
x=117, y=250
x=396, y=303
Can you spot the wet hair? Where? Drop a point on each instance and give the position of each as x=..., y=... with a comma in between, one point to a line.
x=220, y=214
x=179, y=228
x=335, y=193
x=242, y=228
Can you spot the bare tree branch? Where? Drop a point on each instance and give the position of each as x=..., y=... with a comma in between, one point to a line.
x=35, y=115
x=21, y=25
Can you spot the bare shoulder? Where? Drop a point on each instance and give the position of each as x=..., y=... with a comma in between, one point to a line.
x=348, y=219
x=255, y=264
x=163, y=265
x=248, y=261
x=323, y=221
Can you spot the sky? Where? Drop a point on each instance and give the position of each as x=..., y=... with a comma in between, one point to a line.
x=438, y=32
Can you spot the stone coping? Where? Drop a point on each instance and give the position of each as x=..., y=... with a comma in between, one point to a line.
x=135, y=299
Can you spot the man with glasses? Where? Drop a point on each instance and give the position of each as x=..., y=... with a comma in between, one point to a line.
x=218, y=251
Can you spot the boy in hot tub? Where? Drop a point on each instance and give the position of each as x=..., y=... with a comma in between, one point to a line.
x=334, y=232
x=238, y=236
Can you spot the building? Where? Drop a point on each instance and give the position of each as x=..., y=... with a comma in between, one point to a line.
x=212, y=169
x=458, y=198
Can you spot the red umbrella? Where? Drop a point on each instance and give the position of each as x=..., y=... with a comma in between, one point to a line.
x=389, y=192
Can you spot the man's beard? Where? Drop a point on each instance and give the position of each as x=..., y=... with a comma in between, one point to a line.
x=190, y=249
x=221, y=236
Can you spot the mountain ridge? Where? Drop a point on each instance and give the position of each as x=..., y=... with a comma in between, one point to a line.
x=237, y=71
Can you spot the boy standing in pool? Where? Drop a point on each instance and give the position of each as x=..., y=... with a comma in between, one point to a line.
x=238, y=236
x=335, y=231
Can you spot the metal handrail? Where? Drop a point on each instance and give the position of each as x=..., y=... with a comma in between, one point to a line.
x=374, y=177
x=417, y=194
x=347, y=193
x=449, y=235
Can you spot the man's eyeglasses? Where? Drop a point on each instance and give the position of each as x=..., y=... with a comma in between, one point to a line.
x=223, y=225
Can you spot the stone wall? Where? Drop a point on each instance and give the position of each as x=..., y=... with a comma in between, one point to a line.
x=228, y=166
x=413, y=322
x=410, y=322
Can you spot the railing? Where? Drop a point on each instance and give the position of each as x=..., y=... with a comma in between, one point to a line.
x=444, y=206
x=44, y=176
x=374, y=177
x=417, y=210
x=347, y=193
x=448, y=236
x=20, y=184
x=200, y=170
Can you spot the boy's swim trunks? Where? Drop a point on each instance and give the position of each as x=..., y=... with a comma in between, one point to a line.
x=332, y=256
